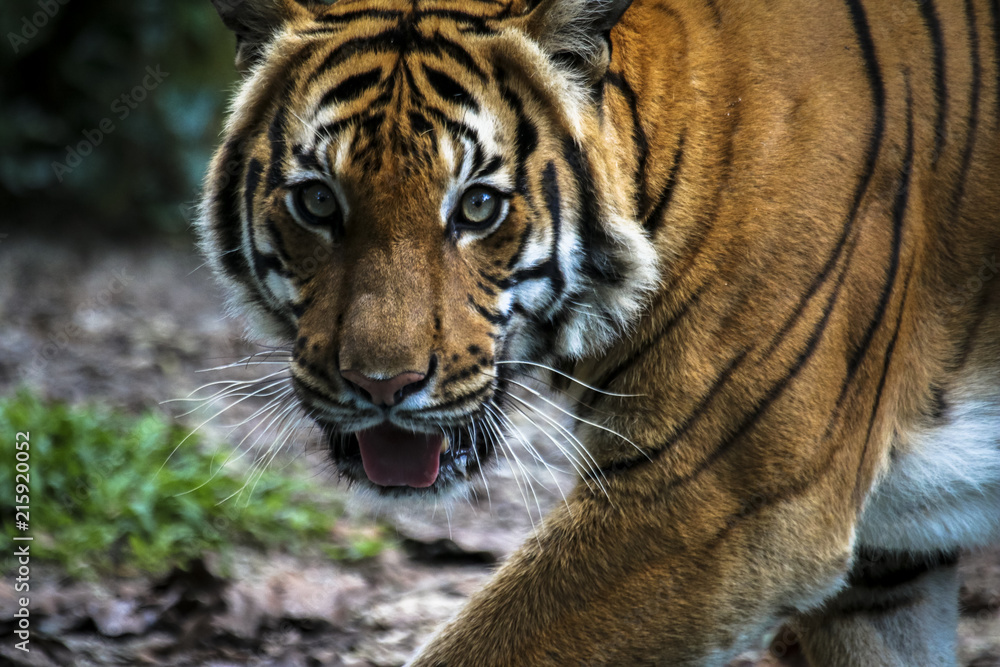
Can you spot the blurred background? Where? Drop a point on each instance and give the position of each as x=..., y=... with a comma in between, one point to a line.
x=147, y=549
x=87, y=135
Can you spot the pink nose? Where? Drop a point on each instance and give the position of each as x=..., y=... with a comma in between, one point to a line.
x=385, y=392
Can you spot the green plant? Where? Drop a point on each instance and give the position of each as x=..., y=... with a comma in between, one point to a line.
x=116, y=493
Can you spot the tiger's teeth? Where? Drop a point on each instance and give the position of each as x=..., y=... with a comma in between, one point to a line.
x=445, y=445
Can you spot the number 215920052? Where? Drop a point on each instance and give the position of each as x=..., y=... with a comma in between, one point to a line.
x=22, y=479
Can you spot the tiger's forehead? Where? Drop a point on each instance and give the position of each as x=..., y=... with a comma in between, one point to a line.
x=416, y=9
x=394, y=87
x=402, y=17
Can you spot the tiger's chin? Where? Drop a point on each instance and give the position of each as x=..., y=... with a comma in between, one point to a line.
x=388, y=464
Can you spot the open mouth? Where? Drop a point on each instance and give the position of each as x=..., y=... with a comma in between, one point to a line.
x=393, y=458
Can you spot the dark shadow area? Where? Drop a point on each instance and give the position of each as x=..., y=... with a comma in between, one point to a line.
x=109, y=113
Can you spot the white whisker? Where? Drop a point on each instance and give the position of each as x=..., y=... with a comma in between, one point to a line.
x=570, y=378
x=588, y=464
x=272, y=406
x=528, y=476
x=504, y=448
x=581, y=419
x=199, y=427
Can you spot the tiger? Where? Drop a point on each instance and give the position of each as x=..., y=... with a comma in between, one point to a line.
x=755, y=242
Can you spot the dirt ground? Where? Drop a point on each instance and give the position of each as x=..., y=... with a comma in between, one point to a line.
x=130, y=325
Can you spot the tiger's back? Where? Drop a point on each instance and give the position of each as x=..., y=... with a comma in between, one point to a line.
x=763, y=236
x=862, y=354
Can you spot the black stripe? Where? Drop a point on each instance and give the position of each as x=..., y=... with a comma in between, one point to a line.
x=332, y=130
x=714, y=9
x=460, y=376
x=874, y=76
x=550, y=267
x=664, y=330
x=475, y=398
x=527, y=133
x=597, y=264
x=457, y=52
x=497, y=319
x=618, y=467
x=258, y=262
x=276, y=137
x=267, y=263
x=252, y=181
x=522, y=245
x=501, y=284
x=656, y=216
x=638, y=137
x=778, y=389
x=347, y=16
x=933, y=23
x=938, y=408
x=455, y=127
x=306, y=159
x=478, y=157
x=393, y=40
x=890, y=349
x=419, y=123
x=491, y=167
x=761, y=406
x=227, y=213
x=527, y=142
x=278, y=243
x=471, y=22
x=415, y=91
x=347, y=50
x=898, y=213
x=253, y=174
x=475, y=21
x=995, y=23
x=487, y=289
x=370, y=125
x=758, y=502
x=877, y=86
x=972, y=331
x=449, y=88
x=553, y=202
x=351, y=88
x=881, y=568
x=898, y=217
x=974, y=96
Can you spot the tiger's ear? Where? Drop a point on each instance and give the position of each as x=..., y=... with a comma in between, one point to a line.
x=576, y=33
x=255, y=22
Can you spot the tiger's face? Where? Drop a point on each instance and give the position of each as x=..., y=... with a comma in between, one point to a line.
x=420, y=200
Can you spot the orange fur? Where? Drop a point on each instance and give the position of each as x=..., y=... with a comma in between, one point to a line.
x=820, y=181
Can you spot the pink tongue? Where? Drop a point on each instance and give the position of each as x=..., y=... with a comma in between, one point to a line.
x=393, y=457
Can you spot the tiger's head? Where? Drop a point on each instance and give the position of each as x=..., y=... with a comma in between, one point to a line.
x=420, y=198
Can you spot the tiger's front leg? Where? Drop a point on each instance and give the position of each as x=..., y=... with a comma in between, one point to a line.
x=645, y=577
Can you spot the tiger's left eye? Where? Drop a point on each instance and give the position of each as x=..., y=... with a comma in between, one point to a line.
x=479, y=208
x=316, y=202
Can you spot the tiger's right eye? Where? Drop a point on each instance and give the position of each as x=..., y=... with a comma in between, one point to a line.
x=316, y=204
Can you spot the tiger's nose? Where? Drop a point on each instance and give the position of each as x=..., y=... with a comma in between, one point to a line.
x=386, y=392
